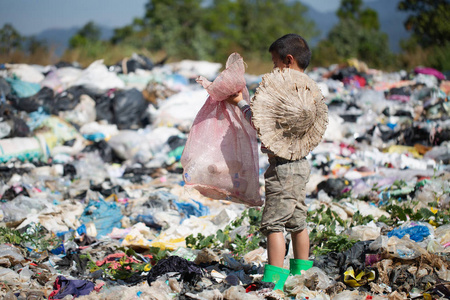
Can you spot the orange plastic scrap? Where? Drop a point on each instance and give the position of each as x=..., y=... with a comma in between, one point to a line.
x=384, y=86
x=445, y=86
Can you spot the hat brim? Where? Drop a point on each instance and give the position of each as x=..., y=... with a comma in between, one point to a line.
x=286, y=97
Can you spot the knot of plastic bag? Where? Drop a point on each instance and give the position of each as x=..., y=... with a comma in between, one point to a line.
x=229, y=82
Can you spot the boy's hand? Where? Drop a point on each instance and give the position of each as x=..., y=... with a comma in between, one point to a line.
x=235, y=98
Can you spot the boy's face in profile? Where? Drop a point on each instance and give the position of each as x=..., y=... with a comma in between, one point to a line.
x=277, y=62
x=289, y=63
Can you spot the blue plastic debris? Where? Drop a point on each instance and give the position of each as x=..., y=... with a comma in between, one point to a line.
x=190, y=209
x=416, y=233
x=105, y=216
x=148, y=220
x=23, y=89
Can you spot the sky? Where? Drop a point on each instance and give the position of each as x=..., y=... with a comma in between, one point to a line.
x=31, y=17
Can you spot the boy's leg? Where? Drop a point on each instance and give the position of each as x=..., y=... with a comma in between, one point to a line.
x=276, y=249
x=300, y=244
x=285, y=187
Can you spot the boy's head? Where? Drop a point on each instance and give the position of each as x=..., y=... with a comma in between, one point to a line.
x=290, y=51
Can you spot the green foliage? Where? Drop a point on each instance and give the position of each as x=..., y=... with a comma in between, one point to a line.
x=336, y=243
x=359, y=219
x=325, y=54
x=211, y=30
x=369, y=19
x=251, y=26
x=435, y=56
x=351, y=39
x=430, y=39
x=407, y=212
x=200, y=241
x=175, y=26
x=15, y=48
x=123, y=269
x=34, y=237
x=194, y=29
x=10, y=236
x=126, y=34
x=439, y=57
x=349, y=9
x=158, y=254
x=111, y=54
x=356, y=35
x=326, y=240
x=398, y=184
x=241, y=244
x=89, y=33
x=428, y=21
x=10, y=39
x=352, y=10
x=35, y=45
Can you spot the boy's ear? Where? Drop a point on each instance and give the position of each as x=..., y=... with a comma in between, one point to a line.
x=290, y=61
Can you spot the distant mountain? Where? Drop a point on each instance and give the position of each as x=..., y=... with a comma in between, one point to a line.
x=58, y=38
x=391, y=21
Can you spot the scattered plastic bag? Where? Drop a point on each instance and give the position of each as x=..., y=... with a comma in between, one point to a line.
x=361, y=278
x=10, y=256
x=23, y=88
x=349, y=295
x=105, y=216
x=97, y=77
x=131, y=145
x=21, y=207
x=43, y=98
x=314, y=279
x=83, y=113
x=220, y=158
x=9, y=276
x=404, y=248
x=416, y=233
x=25, y=72
x=442, y=233
x=138, y=237
x=24, y=149
x=129, y=108
x=365, y=232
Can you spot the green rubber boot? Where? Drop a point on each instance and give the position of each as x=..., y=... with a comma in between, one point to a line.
x=297, y=265
x=276, y=275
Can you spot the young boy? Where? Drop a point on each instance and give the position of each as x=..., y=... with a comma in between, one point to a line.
x=285, y=181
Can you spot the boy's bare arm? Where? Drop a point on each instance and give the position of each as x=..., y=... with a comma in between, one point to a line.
x=234, y=99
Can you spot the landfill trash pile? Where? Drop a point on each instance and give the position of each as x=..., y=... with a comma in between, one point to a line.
x=93, y=203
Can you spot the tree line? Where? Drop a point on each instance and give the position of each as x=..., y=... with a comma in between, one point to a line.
x=211, y=30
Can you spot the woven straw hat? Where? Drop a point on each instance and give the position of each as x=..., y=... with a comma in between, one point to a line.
x=289, y=113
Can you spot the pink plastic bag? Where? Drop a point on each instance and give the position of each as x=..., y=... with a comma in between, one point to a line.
x=220, y=158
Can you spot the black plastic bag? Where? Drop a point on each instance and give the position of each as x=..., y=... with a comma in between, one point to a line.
x=129, y=109
x=5, y=89
x=43, y=98
x=104, y=108
x=335, y=264
x=189, y=271
x=18, y=126
x=66, y=100
x=334, y=186
x=136, y=61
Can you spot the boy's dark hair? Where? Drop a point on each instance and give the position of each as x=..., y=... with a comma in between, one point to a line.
x=294, y=45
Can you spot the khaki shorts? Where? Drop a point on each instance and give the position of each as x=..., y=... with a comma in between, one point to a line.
x=285, y=196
